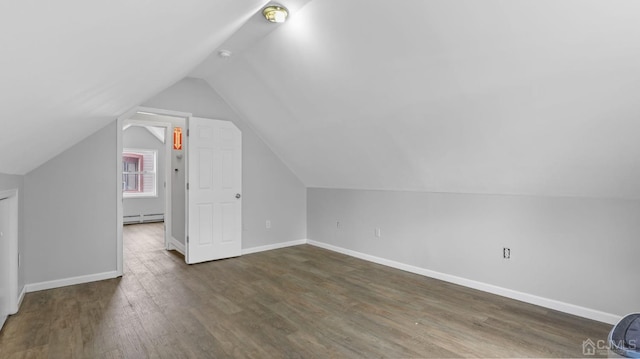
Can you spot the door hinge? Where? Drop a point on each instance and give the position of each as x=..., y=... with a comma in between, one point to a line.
x=187, y=239
x=187, y=132
x=187, y=186
x=165, y=185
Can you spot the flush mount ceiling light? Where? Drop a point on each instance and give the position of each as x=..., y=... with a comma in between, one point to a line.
x=225, y=54
x=275, y=13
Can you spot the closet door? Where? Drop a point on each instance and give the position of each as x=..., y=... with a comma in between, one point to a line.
x=4, y=261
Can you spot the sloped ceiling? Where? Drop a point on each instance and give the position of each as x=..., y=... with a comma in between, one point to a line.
x=68, y=67
x=534, y=97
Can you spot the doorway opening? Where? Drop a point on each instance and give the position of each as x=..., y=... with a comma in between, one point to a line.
x=203, y=183
x=151, y=176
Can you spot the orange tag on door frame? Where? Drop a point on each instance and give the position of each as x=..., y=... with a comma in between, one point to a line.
x=177, y=138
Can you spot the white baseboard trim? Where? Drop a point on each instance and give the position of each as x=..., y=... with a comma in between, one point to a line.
x=273, y=246
x=174, y=244
x=509, y=293
x=34, y=287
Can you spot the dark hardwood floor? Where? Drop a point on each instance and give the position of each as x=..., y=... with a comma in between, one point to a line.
x=295, y=302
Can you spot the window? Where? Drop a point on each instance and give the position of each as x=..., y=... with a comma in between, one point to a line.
x=139, y=178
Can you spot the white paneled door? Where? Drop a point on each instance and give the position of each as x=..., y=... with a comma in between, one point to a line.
x=4, y=261
x=214, y=196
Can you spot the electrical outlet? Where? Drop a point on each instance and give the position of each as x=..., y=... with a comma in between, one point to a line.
x=506, y=253
x=338, y=224
x=268, y=224
x=377, y=233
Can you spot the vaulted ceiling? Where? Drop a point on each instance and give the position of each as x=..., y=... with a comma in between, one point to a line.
x=495, y=96
x=69, y=67
x=491, y=96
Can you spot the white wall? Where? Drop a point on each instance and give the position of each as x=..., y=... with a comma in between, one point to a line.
x=138, y=137
x=8, y=182
x=270, y=190
x=70, y=211
x=578, y=251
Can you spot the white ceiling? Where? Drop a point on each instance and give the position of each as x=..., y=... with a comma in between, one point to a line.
x=479, y=96
x=494, y=96
x=69, y=67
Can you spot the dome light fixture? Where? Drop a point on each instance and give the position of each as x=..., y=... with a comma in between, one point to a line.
x=275, y=13
x=225, y=54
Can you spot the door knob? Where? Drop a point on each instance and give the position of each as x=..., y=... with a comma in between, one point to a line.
x=238, y=195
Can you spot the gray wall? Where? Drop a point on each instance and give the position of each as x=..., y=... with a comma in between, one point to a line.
x=70, y=201
x=138, y=137
x=70, y=211
x=270, y=190
x=575, y=250
x=178, y=184
x=8, y=182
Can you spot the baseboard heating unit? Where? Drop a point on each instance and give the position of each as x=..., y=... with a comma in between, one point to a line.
x=143, y=218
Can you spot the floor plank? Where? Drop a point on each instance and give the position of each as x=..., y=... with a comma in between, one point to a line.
x=296, y=302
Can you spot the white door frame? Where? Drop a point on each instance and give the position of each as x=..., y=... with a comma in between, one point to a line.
x=119, y=207
x=12, y=254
